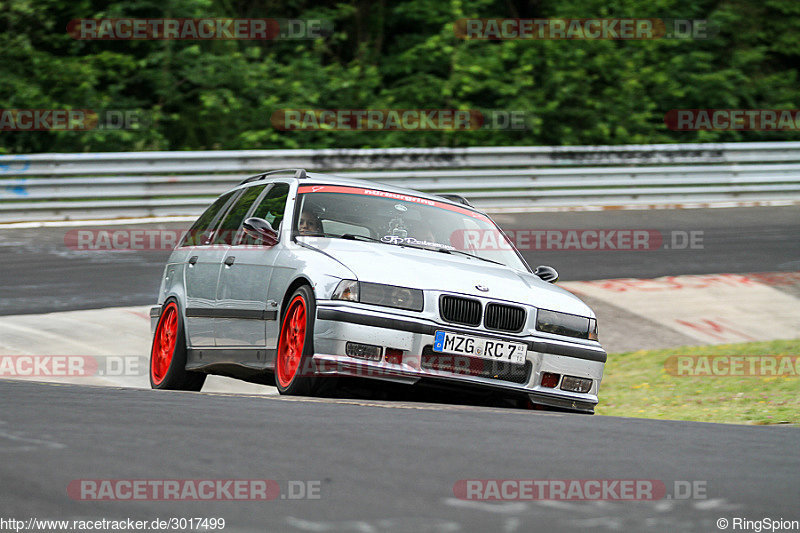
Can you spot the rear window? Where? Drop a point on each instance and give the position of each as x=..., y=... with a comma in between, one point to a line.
x=202, y=230
x=227, y=231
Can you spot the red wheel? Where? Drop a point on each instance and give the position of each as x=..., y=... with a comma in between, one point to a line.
x=293, y=337
x=295, y=345
x=164, y=343
x=168, y=354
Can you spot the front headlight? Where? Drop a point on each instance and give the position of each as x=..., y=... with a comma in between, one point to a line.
x=378, y=294
x=565, y=324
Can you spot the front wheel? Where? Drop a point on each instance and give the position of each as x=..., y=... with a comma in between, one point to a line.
x=293, y=364
x=168, y=354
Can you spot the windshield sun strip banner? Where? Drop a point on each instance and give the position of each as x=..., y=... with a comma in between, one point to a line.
x=391, y=195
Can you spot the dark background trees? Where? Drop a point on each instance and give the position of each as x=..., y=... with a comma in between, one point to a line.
x=397, y=54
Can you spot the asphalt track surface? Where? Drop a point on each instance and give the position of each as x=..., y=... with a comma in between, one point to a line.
x=41, y=274
x=383, y=467
x=387, y=466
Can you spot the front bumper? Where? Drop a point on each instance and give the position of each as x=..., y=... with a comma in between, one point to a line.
x=337, y=323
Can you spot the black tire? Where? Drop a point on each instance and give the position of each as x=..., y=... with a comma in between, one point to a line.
x=301, y=382
x=172, y=375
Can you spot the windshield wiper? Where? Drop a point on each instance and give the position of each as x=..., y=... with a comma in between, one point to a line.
x=346, y=236
x=356, y=237
x=349, y=236
x=449, y=251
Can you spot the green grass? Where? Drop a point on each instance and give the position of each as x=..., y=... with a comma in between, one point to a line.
x=638, y=384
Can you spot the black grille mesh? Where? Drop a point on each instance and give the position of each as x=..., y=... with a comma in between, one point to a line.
x=460, y=310
x=504, y=317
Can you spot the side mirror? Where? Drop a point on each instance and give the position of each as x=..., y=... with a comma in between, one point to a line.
x=260, y=230
x=546, y=273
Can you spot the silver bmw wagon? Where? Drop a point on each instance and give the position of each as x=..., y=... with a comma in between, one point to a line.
x=300, y=277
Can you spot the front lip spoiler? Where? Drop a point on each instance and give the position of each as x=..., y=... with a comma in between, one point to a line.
x=538, y=345
x=562, y=403
x=337, y=365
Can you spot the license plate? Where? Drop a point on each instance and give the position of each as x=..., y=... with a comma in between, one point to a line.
x=492, y=349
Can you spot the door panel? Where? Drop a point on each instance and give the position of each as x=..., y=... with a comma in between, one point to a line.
x=201, y=273
x=242, y=298
x=242, y=310
x=201, y=276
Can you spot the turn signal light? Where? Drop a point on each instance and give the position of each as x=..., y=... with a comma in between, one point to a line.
x=550, y=380
x=394, y=356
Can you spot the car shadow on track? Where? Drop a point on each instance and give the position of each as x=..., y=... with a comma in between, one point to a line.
x=427, y=392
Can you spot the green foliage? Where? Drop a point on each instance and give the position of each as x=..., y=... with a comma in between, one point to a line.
x=641, y=385
x=402, y=54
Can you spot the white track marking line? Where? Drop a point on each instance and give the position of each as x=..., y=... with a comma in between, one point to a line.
x=490, y=507
x=643, y=207
x=93, y=222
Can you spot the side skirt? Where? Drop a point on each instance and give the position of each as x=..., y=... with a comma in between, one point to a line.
x=247, y=359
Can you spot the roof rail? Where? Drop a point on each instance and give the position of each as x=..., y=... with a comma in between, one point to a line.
x=299, y=173
x=455, y=198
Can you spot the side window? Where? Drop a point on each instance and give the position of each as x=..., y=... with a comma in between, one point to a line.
x=271, y=208
x=201, y=230
x=273, y=205
x=227, y=230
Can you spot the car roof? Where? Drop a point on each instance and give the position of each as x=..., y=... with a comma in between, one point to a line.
x=318, y=178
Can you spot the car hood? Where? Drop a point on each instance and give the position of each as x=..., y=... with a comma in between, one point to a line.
x=429, y=270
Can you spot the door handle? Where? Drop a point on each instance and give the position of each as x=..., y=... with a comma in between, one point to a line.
x=229, y=260
x=193, y=260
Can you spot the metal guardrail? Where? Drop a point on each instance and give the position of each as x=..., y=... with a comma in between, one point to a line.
x=133, y=184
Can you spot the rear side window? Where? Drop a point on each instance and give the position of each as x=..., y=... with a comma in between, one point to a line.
x=271, y=208
x=227, y=231
x=202, y=229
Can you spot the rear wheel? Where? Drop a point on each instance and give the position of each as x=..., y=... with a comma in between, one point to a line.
x=293, y=364
x=168, y=354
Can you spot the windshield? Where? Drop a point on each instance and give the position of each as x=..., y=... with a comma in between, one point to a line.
x=335, y=211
